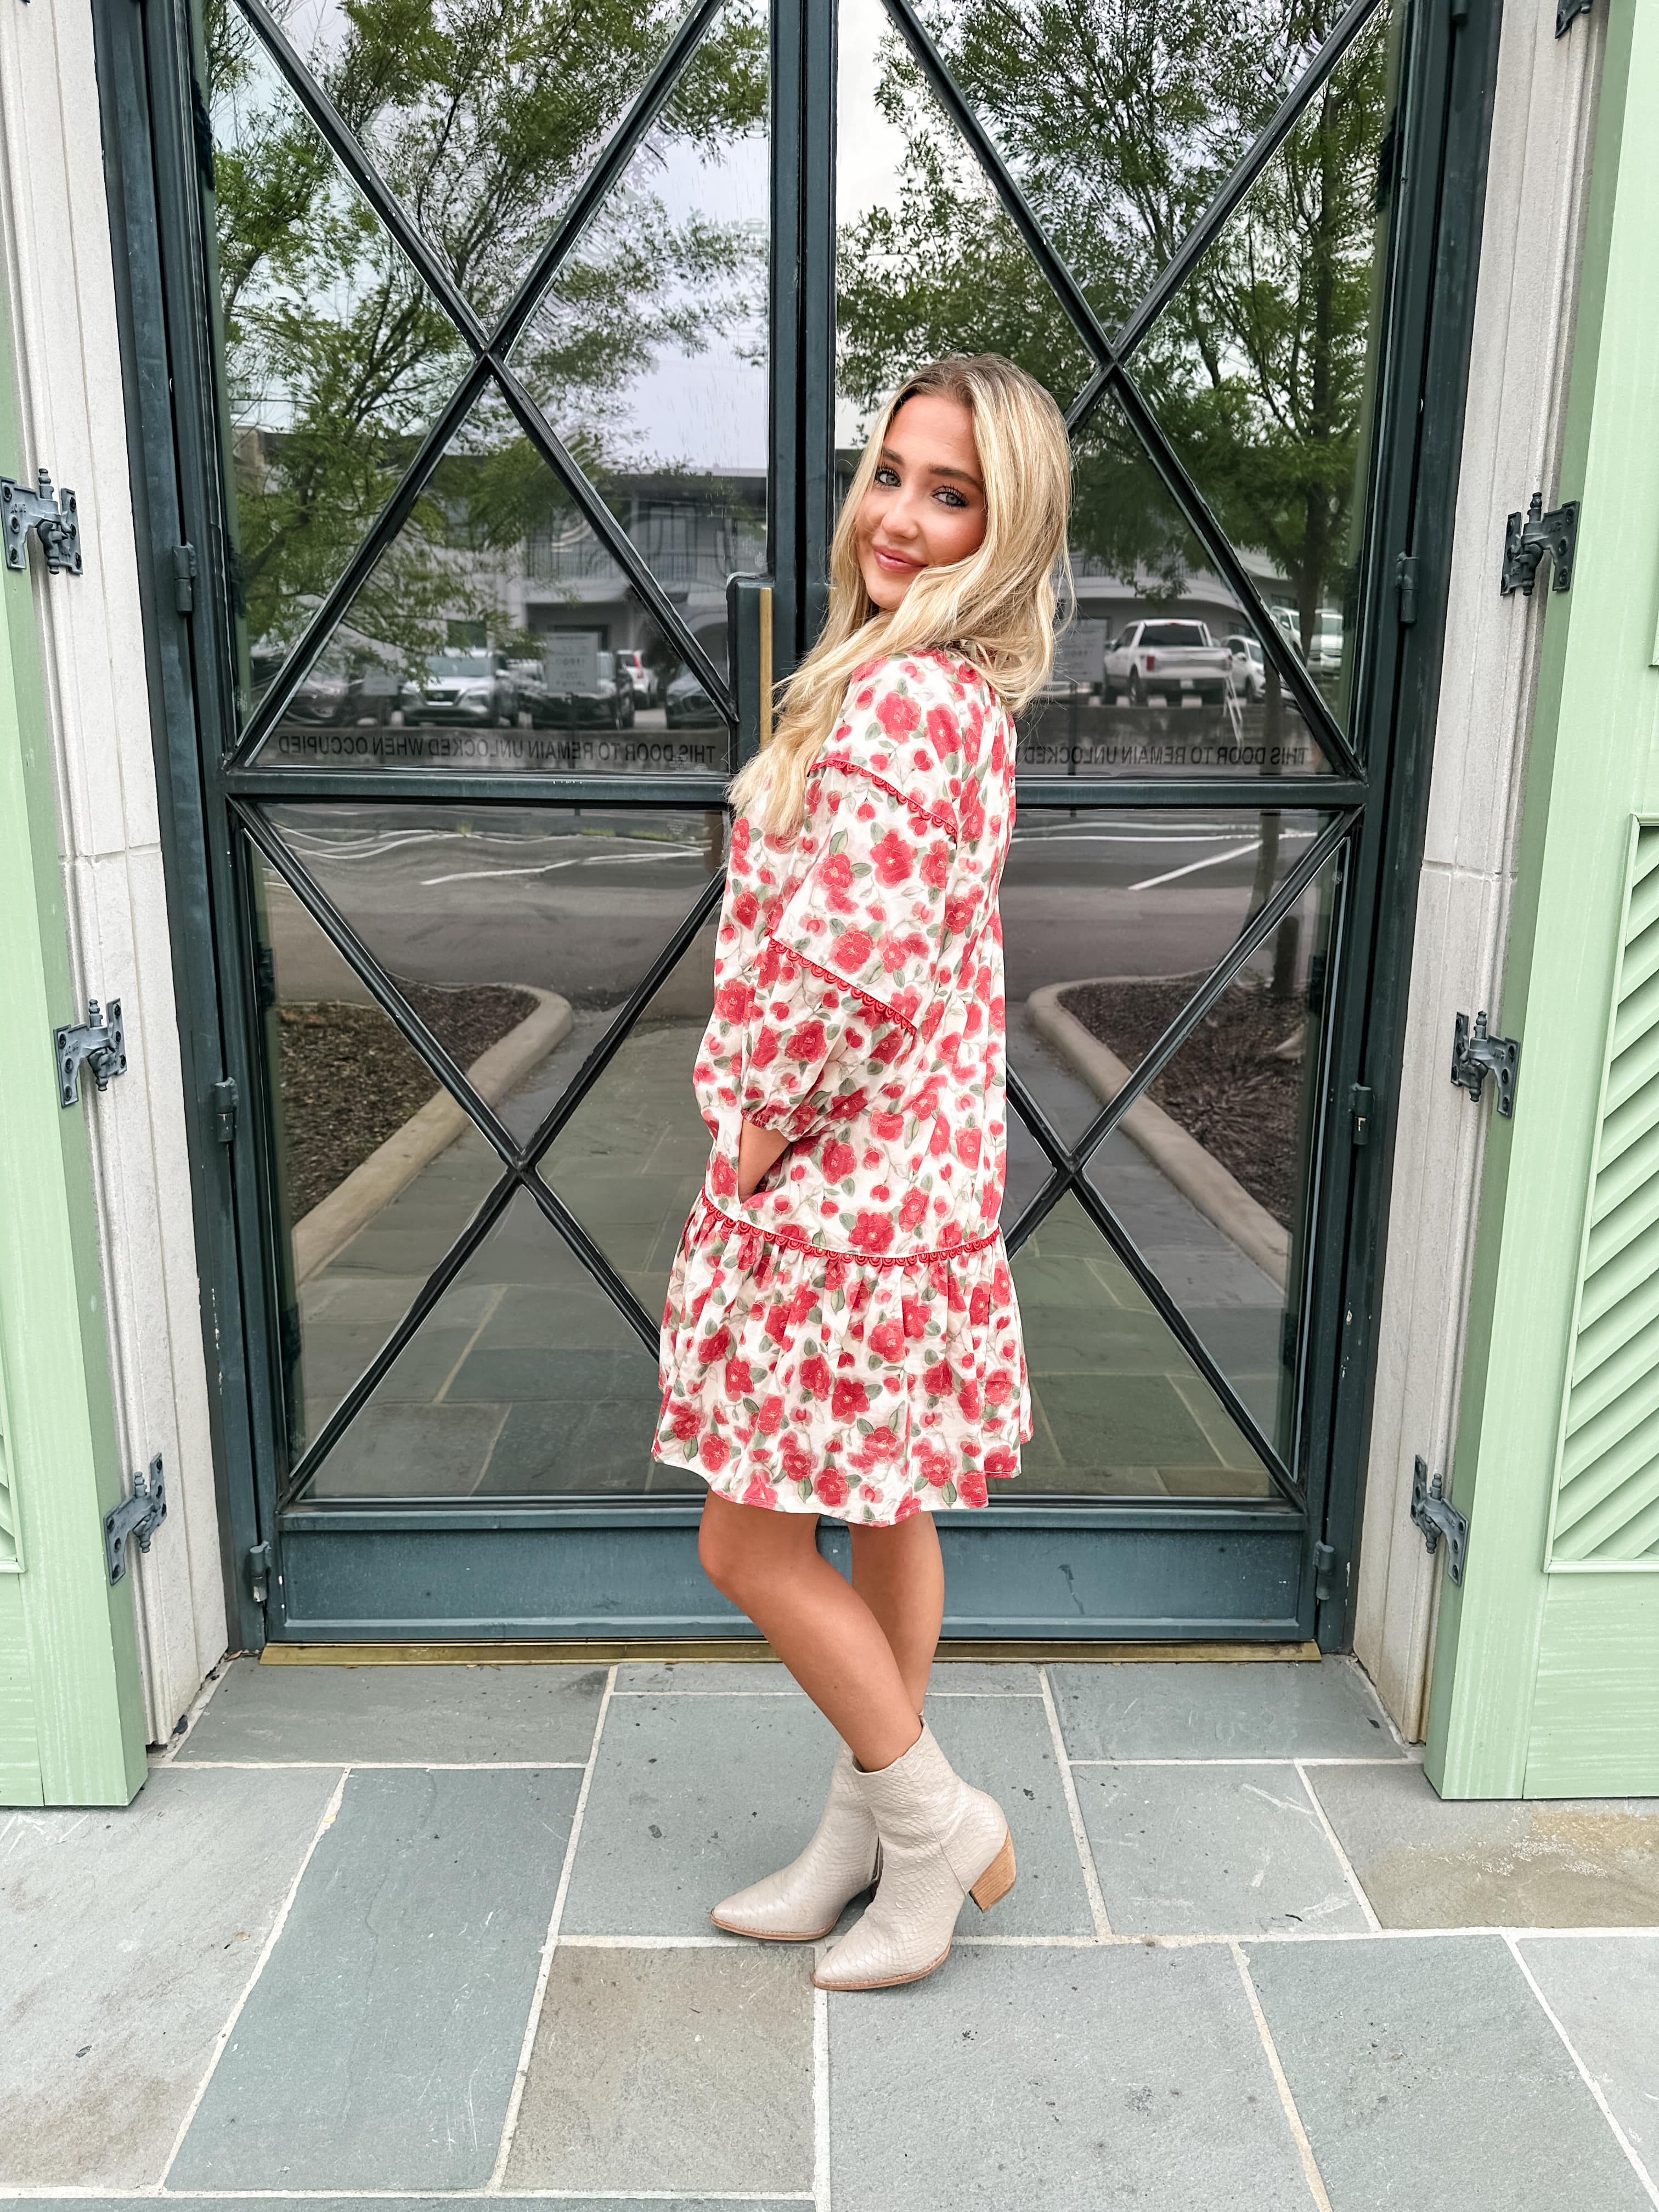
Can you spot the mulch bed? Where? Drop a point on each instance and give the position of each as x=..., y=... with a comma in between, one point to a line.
x=1224, y=1085
x=349, y=1081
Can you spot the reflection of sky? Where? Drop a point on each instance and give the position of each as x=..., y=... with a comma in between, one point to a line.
x=869, y=149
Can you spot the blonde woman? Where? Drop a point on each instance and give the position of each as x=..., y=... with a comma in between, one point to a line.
x=842, y=1335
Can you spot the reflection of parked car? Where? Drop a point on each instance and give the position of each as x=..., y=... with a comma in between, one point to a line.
x=353, y=680
x=604, y=698
x=466, y=687
x=1249, y=666
x=687, y=706
x=1325, y=658
x=633, y=666
x=1170, y=658
x=529, y=683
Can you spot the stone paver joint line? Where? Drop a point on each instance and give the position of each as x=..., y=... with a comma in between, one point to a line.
x=527, y=2047
x=1349, y=1876
x=820, y=2089
x=331, y=1812
x=1275, y=2067
x=1096, y=1895
x=1584, y=2074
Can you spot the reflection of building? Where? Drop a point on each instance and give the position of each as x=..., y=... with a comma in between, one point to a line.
x=694, y=532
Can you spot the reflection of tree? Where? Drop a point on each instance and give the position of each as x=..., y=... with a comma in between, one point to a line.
x=482, y=116
x=1121, y=122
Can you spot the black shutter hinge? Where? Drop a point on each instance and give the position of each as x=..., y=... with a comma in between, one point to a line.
x=1528, y=538
x=54, y=518
x=258, y=1564
x=139, y=1516
x=184, y=578
x=1405, y=577
x=1436, y=1517
x=1475, y=1056
x=1566, y=11
x=99, y=1043
x=1327, y=1580
x=1360, y=1109
x=224, y=1099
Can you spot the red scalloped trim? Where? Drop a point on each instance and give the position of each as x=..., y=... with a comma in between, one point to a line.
x=939, y=814
x=796, y=1242
x=840, y=983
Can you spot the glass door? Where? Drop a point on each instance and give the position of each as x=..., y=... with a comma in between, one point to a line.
x=525, y=335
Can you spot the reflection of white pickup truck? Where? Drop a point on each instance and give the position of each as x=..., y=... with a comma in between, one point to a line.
x=1168, y=658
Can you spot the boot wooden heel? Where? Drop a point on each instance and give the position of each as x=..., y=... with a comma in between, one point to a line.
x=998, y=1878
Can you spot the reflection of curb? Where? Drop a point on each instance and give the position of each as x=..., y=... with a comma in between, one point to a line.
x=393, y=1166
x=1196, y=1173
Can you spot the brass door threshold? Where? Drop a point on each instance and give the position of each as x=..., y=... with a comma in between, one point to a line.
x=706, y=1651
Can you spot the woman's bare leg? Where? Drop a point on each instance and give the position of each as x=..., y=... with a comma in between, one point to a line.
x=820, y=1626
x=899, y=1574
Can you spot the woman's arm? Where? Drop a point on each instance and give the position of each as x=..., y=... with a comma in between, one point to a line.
x=757, y=1149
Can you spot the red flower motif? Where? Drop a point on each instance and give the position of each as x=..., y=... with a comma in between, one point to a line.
x=815, y=1377
x=737, y=1384
x=872, y=1232
x=942, y=732
x=770, y=1419
x=852, y=950
x=839, y=1160
x=887, y=1339
x=913, y=1211
x=717, y=1346
x=892, y=860
x=850, y=1397
x=759, y=1492
x=745, y=907
x=808, y=1043
x=831, y=1486
x=1002, y=1463
x=712, y=1451
x=898, y=714
x=732, y=1002
x=970, y=1486
x=907, y=1505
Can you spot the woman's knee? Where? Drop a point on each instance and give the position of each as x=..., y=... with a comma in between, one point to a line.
x=723, y=1552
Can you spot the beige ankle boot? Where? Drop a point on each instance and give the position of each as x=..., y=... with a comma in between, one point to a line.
x=941, y=1840
x=802, y=1901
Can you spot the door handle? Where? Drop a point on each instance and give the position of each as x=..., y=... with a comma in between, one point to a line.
x=749, y=627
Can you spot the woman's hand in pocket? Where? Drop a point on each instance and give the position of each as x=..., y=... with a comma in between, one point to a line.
x=758, y=1149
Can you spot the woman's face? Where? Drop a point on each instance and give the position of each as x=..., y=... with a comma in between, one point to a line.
x=926, y=505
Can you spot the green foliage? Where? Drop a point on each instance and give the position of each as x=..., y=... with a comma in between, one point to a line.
x=483, y=117
x=1121, y=122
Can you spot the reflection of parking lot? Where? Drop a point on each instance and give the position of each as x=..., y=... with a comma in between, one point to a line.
x=581, y=904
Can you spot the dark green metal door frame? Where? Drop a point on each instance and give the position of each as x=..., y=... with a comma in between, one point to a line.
x=1250, y=1568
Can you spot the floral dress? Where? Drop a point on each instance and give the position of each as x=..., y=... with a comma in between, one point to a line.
x=847, y=1341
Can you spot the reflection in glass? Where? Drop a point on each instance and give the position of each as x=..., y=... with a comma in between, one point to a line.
x=359, y=1228
x=648, y=351
x=1159, y=671
x=336, y=358
x=496, y=633
x=631, y=1158
x=1112, y=899
x=516, y=932
x=523, y=1382
x=1118, y=1409
x=1122, y=123
x=485, y=118
x=1211, y=1171
x=1261, y=370
x=927, y=262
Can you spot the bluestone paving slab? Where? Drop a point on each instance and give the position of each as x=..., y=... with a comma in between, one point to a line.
x=390, y=2203
x=1196, y=1709
x=671, y=2070
x=673, y=1676
x=1426, y=1863
x=436, y=1716
x=1003, y=1745
x=378, y=2049
x=691, y=1799
x=1211, y=1850
x=1061, y=2081
x=1604, y=1989
x=1427, y=2074
x=125, y=1939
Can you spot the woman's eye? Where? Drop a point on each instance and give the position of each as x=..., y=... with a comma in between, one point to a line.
x=886, y=476
x=951, y=498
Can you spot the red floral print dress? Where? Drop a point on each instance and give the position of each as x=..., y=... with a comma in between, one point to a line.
x=847, y=1341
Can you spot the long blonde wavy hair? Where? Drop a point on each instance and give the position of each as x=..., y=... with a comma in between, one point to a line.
x=996, y=609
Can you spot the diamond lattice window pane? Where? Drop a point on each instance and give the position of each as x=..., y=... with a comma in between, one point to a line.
x=1118, y=1408
x=1212, y=1170
x=485, y=117
x=1159, y=669
x=523, y=1382
x=648, y=353
x=336, y=357
x=517, y=933
x=496, y=633
x=928, y=261
x=1122, y=123
x=1148, y=900
x=1263, y=369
